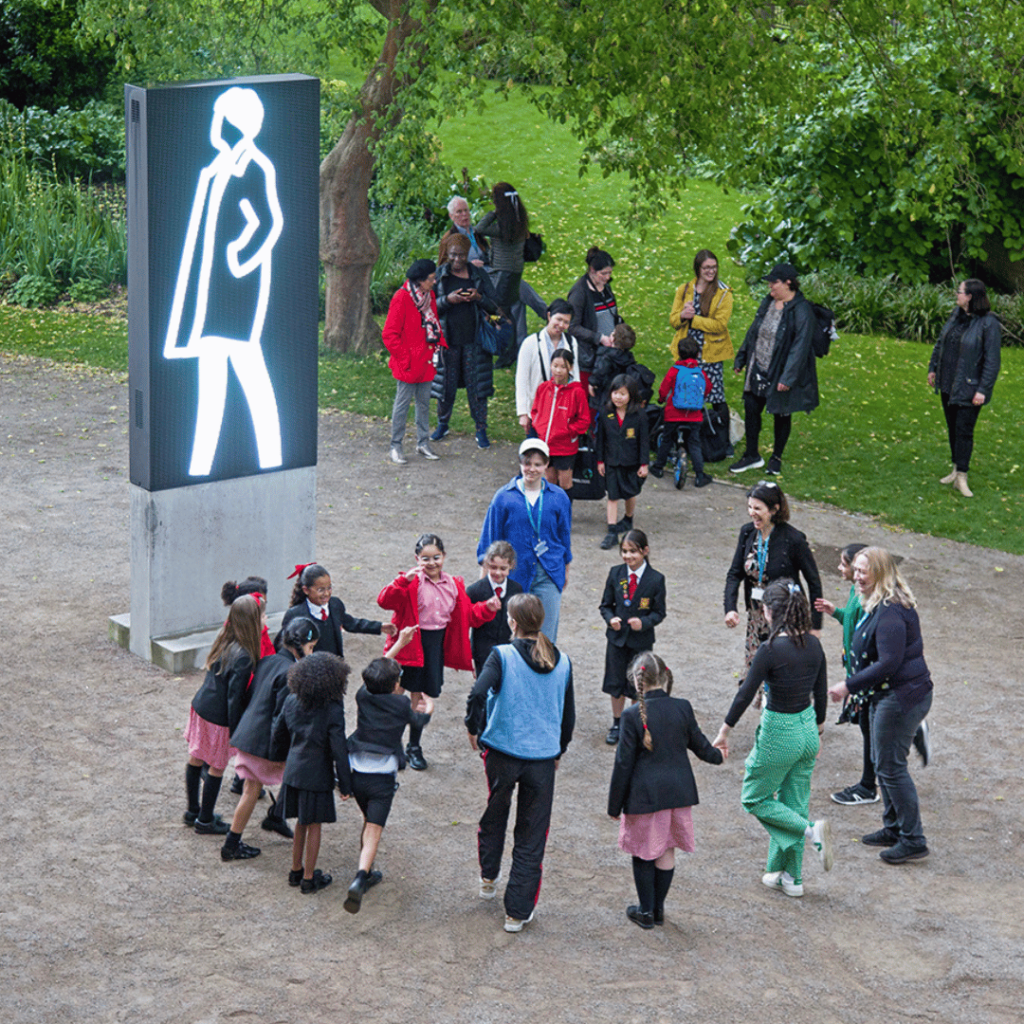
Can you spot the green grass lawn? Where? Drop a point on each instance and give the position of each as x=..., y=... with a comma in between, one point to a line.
x=877, y=443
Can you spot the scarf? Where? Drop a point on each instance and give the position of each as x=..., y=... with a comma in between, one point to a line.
x=427, y=315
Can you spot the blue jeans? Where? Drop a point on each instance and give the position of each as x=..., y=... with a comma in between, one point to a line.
x=551, y=597
x=892, y=732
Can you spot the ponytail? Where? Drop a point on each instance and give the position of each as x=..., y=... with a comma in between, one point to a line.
x=648, y=672
x=527, y=612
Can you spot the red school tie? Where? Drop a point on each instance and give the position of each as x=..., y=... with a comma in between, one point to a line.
x=632, y=585
x=323, y=614
x=497, y=593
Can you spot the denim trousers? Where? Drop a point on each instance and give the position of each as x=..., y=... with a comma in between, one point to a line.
x=551, y=597
x=892, y=732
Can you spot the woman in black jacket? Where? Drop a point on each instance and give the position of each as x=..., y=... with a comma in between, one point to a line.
x=464, y=296
x=781, y=375
x=768, y=549
x=652, y=785
x=594, y=310
x=963, y=370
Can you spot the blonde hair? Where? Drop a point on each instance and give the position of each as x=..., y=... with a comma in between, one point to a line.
x=527, y=612
x=241, y=629
x=890, y=586
x=648, y=672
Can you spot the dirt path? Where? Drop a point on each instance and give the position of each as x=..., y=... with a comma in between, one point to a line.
x=112, y=911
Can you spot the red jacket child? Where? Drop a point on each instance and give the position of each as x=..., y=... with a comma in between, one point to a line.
x=560, y=415
x=668, y=386
x=402, y=599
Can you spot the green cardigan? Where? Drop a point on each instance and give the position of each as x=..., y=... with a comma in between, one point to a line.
x=848, y=616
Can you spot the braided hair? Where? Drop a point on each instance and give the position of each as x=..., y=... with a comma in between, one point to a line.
x=789, y=609
x=648, y=672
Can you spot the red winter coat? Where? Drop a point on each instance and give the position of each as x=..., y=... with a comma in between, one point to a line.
x=412, y=359
x=402, y=599
x=668, y=386
x=560, y=415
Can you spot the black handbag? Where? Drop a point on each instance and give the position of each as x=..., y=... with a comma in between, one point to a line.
x=533, y=247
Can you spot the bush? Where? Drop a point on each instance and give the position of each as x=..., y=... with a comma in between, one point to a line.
x=402, y=240
x=33, y=291
x=89, y=290
x=882, y=305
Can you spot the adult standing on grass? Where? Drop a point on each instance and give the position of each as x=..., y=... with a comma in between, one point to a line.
x=778, y=357
x=891, y=673
x=534, y=366
x=535, y=517
x=777, y=781
x=963, y=370
x=522, y=712
x=701, y=310
x=507, y=225
x=768, y=549
x=594, y=310
x=464, y=296
x=412, y=334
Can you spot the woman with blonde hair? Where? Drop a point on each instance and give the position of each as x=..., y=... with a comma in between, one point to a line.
x=891, y=674
x=521, y=711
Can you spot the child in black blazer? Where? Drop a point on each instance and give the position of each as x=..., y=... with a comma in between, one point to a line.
x=312, y=598
x=652, y=785
x=499, y=561
x=309, y=735
x=623, y=450
x=632, y=605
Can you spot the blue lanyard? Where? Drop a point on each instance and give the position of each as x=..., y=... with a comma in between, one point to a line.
x=860, y=622
x=762, y=556
x=540, y=510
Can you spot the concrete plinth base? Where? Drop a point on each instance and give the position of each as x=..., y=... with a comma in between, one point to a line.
x=186, y=542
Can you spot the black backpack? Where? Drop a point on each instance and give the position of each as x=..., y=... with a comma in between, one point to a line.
x=824, y=329
x=644, y=377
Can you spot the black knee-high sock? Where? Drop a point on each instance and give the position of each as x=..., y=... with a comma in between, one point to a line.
x=211, y=790
x=192, y=776
x=643, y=878
x=416, y=727
x=662, y=884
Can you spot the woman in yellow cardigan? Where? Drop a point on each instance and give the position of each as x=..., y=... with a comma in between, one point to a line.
x=701, y=309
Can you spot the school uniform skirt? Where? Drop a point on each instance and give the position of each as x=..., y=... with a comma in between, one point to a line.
x=259, y=769
x=427, y=678
x=208, y=742
x=648, y=836
x=622, y=482
x=310, y=806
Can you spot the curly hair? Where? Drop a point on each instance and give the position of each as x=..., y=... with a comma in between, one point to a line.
x=231, y=590
x=319, y=679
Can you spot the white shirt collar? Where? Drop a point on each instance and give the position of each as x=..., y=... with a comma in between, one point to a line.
x=315, y=610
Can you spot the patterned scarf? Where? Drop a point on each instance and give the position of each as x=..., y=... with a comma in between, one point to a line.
x=427, y=314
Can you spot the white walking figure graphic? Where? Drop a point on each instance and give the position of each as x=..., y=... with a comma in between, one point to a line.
x=235, y=255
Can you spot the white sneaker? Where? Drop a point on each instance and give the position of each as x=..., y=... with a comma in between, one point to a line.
x=513, y=924
x=783, y=880
x=424, y=450
x=396, y=455
x=821, y=837
x=489, y=887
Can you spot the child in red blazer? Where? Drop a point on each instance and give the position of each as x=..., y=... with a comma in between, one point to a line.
x=559, y=415
x=688, y=420
x=429, y=598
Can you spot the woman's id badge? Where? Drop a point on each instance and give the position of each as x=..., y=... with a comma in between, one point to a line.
x=757, y=593
x=540, y=548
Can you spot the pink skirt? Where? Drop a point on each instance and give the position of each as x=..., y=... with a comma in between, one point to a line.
x=259, y=769
x=208, y=742
x=648, y=836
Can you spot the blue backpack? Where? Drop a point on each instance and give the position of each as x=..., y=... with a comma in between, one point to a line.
x=688, y=393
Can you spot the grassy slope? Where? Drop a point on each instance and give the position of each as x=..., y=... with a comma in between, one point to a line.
x=888, y=467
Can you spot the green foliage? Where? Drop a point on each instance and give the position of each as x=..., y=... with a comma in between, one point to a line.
x=74, y=143
x=88, y=290
x=402, y=239
x=45, y=59
x=33, y=291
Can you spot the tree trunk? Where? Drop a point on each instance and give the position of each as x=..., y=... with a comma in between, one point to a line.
x=348, y=245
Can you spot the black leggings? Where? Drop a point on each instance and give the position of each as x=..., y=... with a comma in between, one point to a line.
x=960, y=420
x=752, y=409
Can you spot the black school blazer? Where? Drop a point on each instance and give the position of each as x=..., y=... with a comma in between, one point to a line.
x=266, y=696
x=312, y=744
x=486, y=637
x=225, y=691
x=645, y=781
x=648, y=606
x=337, y=620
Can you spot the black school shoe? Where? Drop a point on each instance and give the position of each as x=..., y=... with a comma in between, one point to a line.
x=356, y=892
x=240, y=852
x=316, y=883
x=613, y=736
x=703, y=480
x=295, y=877
x=639, y=918
x=271, y=823
x=415, y=759
x=611, y=539
x=217, y=827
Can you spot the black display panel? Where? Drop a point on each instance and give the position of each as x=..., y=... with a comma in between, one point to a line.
x=222, y=278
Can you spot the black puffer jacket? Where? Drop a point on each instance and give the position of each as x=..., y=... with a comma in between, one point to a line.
x=977, y=366
x=793, y=361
